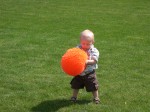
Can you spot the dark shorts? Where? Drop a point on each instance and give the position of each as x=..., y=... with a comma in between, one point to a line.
x=88, y=81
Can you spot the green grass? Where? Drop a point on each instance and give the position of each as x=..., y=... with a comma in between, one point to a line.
x=34, y=34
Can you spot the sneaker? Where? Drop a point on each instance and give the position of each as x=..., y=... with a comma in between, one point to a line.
x=96, y=100
x=73, y=99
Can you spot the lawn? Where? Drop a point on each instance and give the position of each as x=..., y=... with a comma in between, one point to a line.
x=34, y=34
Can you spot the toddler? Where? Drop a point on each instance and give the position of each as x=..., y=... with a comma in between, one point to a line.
x=87, y=78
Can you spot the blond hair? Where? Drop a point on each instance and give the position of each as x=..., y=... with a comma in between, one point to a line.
x=87, y=35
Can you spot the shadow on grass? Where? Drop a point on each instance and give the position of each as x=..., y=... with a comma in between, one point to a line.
x=54, y=105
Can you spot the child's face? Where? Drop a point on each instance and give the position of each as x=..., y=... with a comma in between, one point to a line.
x=86, y=44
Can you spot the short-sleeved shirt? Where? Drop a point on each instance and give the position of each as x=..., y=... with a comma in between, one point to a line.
x=93, y=53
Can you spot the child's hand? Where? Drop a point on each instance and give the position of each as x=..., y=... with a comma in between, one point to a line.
x=86, y=62
x=90, y=62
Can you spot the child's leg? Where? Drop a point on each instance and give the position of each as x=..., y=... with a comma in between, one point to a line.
x=76, y=84
x=95, y=94
x=96, y=97
x=75, y=93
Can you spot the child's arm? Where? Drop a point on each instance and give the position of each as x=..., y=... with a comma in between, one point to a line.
x=91, y=62
x=94, y=58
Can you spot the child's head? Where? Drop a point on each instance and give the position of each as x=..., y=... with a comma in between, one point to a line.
x=86, y=39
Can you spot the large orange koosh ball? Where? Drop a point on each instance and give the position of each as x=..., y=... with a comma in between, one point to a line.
x=73, y=61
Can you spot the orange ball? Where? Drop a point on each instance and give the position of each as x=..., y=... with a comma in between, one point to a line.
x=73, y=61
